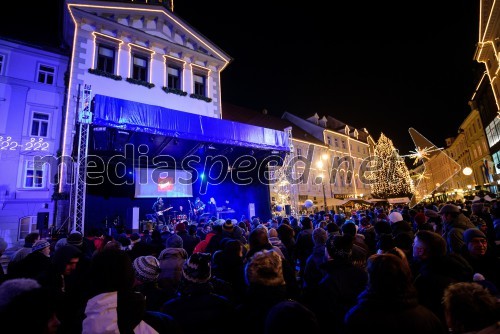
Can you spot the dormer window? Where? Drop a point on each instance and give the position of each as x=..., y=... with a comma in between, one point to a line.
x=356, y=134
x=347, y=130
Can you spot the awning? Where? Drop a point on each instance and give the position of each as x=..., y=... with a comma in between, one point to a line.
x=130, y=116
x=398, y=200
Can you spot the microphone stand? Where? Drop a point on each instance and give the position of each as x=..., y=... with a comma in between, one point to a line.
x=190, y=211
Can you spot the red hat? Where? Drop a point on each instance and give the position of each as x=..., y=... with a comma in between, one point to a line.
x=420, y=218
x=180, y=227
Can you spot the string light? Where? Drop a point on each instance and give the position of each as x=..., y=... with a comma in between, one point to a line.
x=421, y=154
x=393, y=179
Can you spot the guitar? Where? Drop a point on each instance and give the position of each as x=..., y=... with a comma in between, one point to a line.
x=199, y=210
x=160, y=213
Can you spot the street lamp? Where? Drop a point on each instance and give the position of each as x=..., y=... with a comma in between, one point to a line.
x=320, y=166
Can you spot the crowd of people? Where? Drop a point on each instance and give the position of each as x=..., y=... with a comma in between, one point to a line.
x=434, y=268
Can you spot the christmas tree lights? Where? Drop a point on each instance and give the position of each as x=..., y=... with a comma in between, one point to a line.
x=392, y=179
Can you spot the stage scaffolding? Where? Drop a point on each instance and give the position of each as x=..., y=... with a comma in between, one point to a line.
x=78, y=192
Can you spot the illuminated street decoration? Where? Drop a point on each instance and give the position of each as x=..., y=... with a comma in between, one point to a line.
x=420, y=154
x=392, y=179
x=438, y=167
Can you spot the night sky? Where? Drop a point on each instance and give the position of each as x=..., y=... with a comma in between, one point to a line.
x=383, y=65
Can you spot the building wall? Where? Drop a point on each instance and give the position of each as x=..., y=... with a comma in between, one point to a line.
x=21, y=96
x=157, y=34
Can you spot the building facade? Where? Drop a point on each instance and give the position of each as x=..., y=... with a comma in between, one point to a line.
x=32, y=100
x=486, y=98
x=347, y=148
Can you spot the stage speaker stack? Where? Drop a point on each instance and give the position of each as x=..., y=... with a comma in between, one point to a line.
x=251, y=210
x=132, y=221
x=101, y=138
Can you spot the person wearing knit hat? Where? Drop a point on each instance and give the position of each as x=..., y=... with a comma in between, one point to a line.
x=197, y=306
x=339, y=246
x=431, y=213
x=385, y=243
x=75, y=238
x=395, y=217
x=197, y=268
x=473, y=233
x=35, y=263
x=228, y=226
x=147, y=268
x=174, y=241
x=180, y=227
x=21, y=296
x=272, y=233
x=327, y=300
x=419, y=218
x=41, y=245
x=312, y=272
x=265, y=268
x=480, y=258
x=319, y=236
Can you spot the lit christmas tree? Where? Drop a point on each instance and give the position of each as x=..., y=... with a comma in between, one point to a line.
x=391, y=177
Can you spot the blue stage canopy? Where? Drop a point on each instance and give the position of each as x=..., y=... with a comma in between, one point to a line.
x=140, y=117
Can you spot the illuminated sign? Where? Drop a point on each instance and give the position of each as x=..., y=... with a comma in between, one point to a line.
x=34, y=144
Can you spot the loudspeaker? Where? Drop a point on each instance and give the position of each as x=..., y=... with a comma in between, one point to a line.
x=120, y=139
x=101, y=138
x=132, y=221
x=288, y=209
x=42, y=221
x=251, y=210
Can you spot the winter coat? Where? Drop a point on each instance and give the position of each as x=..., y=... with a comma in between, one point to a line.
x=337, y=293
x=171, y=262
x=198, y=309
x=116, y=313
x=435, y=274
x=377, y=313
x=454, y=233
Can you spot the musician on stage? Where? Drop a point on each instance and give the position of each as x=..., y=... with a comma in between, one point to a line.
x=198, y=208
x=212, y=207
x=160, y=210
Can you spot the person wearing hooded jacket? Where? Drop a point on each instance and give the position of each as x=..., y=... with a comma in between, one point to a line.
x=455, y=223
x=113, y=306
x=389, y=304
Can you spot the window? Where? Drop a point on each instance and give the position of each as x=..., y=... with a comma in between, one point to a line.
x=27, y=225
x=33, y=177
x=2, y=61
x=336, y=142
x=46, y=74
x=299, y=151
x=199, y=84
x=139, y=68
x=40, y=125
x=106, y=58
x=173, y=77
x=478, y=121
x=329, y=141
x=343, y=144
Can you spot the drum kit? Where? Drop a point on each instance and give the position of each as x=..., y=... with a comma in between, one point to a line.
x=178, y=217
